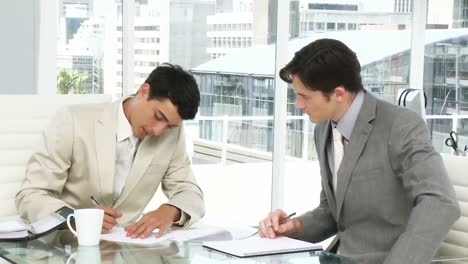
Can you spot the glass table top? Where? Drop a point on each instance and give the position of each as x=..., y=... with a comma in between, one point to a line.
x=62, y=247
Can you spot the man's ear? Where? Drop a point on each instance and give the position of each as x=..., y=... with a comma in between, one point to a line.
x=340, y=92
x=144, y=90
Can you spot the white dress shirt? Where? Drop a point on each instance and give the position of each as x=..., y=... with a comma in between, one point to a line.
x=125, y=141
x=126, y=147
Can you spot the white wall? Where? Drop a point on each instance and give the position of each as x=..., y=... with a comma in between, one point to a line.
x=18, y=46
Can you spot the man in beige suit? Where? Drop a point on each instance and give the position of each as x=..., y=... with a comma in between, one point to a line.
x=385, y=192
x=119, y=153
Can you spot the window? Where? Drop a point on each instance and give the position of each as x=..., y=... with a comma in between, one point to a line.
x=446, y=74
x=331, y=7
x=85, y=47
x=234, y=129
x=320, y=26
x=383, y=73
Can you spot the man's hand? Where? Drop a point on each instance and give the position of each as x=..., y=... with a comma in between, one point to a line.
x=161, y=218
x=272, y=227
x=110, y=216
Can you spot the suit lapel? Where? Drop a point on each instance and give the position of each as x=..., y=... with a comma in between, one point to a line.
x=142, y=160
x=359, y=136
x=105, y=137
x=325, y=167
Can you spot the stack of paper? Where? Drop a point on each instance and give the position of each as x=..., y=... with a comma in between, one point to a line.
x=13, y=229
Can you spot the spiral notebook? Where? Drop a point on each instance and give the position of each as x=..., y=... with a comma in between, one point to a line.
x=256, y=246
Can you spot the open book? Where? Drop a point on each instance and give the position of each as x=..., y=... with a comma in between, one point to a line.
x=257, y=246
x=18, y=229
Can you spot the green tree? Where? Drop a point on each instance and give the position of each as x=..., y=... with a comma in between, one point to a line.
x=71, y=82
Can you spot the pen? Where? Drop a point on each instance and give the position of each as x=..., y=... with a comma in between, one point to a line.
x=95, y=202
x=284, y=218
x=270, y=226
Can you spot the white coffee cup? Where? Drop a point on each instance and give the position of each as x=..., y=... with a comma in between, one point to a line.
x=88, y=224
x=86, y=255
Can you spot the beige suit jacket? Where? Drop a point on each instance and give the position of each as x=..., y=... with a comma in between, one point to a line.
x=76, y=159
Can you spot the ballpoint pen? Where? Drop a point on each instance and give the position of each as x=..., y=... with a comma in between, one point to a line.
x=284, y=218
x=95, y=202
x=270, y=226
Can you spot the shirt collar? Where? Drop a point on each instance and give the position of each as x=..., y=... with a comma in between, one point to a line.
x=124, y=129
x=346, y=124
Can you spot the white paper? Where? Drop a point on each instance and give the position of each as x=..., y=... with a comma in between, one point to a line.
x=47, y=223
x=119, y=235
x=12, y=225
x=233, y=231
x=239, y=232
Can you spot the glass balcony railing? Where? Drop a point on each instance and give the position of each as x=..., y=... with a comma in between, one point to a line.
x=231, y=139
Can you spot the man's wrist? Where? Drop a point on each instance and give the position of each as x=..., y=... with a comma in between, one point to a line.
x=174, y=211
x=297, y=231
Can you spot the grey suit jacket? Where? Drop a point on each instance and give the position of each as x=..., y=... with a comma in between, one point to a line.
x=394, y=202
x=76, y=159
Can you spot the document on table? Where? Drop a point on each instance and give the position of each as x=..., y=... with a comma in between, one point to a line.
x=257, y=246
x=118, y=234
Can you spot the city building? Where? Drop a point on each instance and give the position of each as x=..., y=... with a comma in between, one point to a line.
x=166, y=31
x=460, y=14
x=83, y=53
x=71, y=14
x=84, y=64
x=440, y=14
x=188, y=38
x=149, y=50
x=231, y=27
x=239, y=24
x=403, y=6
x=322, y=16
x=160, y=35
x=242, y=84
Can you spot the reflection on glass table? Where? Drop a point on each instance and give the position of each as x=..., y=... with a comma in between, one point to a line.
x=62, y=247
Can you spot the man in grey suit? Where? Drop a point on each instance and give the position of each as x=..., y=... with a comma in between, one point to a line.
x=388, y=199
x=120, y=153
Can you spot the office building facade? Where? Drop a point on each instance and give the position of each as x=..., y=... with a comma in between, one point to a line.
x=244, y=93
x=460, y=14
x=403, y=6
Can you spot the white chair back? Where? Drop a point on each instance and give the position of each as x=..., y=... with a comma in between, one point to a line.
x=456, y=243
x=21, y=122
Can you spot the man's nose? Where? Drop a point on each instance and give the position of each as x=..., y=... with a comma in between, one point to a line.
x=299, y=104
x=158, y=128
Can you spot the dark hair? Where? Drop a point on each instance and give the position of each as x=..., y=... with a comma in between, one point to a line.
x=324, y=65
x=172, y=82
